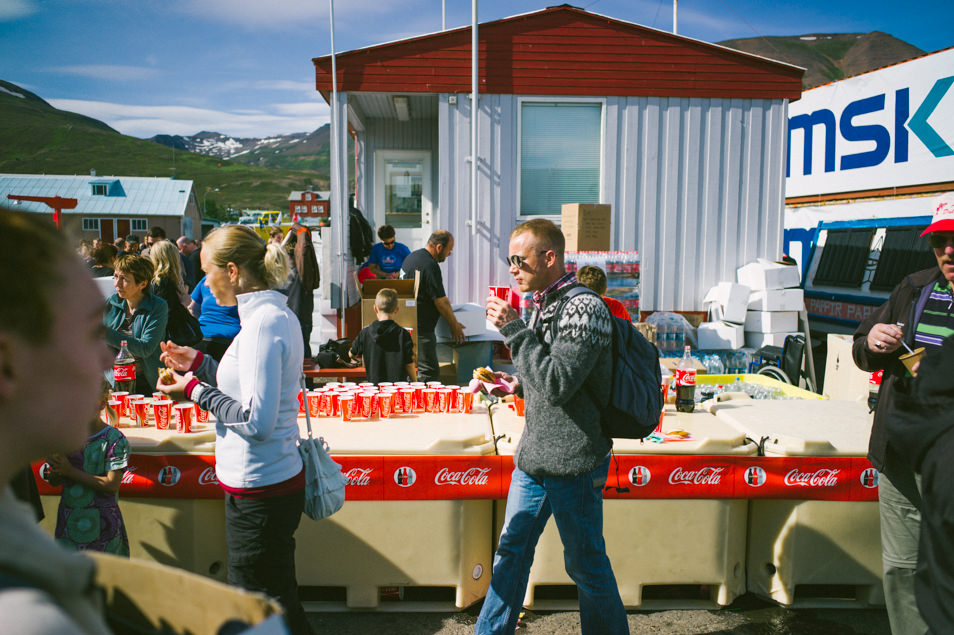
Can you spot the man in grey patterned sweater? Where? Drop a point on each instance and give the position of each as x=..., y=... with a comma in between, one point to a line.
x=563, y=456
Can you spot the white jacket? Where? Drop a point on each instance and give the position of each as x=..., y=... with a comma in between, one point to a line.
x=261, y=370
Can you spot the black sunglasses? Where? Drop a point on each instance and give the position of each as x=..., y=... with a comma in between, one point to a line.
x=517, y=261
x=388, y=242
x=940, y=241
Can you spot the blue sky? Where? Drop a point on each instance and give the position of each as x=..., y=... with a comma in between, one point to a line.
x=243, y=67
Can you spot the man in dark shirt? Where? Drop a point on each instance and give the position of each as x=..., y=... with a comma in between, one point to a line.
x=432, y=302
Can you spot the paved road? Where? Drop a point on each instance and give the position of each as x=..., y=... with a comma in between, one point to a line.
x=747, y=616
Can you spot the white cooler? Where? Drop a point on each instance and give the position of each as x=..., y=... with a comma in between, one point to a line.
x=372, y=545
x=666, y=553
x=810, y=553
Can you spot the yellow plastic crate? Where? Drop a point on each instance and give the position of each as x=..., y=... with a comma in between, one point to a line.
x=787, y=389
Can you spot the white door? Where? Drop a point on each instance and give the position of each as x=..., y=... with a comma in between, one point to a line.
x=402, y=194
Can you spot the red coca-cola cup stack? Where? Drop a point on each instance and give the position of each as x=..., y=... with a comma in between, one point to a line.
x=201, y=415
x=407, y=400
x=443, y=400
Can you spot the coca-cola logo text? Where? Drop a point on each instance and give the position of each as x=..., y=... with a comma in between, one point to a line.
x=824, y=477
x=359, y=476
x=470, y=476
x=704, y=476
x=207, y=477
x=128, y=475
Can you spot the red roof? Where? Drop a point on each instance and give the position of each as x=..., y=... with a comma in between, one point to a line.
x=562, y=51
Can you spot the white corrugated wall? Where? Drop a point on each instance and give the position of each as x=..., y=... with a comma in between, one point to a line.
x=696, y=185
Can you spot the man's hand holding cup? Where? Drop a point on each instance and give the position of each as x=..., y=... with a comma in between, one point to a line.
x=499, y=311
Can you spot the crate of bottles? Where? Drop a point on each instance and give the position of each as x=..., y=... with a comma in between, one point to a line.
x=622, y=274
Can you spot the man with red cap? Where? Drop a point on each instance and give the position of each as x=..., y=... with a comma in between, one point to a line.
x=919, y=313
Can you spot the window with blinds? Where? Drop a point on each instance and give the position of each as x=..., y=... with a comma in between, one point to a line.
x=560, y=145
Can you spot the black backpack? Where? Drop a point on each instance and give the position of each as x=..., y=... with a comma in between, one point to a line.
x=635, y=401
x=361, y=236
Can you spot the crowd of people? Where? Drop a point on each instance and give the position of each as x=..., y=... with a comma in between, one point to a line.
x=246, y=369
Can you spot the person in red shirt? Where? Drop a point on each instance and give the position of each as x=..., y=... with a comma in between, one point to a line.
x=594, y=279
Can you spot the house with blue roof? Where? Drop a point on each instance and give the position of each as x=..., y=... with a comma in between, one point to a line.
x=110, y=206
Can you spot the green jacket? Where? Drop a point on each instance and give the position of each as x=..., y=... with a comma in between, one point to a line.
x=148, y=330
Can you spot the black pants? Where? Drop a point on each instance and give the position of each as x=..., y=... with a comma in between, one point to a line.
x=428, y=368
x=260, y=538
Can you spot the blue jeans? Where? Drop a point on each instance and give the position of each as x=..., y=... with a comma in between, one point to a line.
x=576, y=504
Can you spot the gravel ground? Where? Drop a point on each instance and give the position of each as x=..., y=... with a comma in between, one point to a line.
x=747, y=616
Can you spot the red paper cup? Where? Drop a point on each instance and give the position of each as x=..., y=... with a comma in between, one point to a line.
x=184, y=417
x=364, y=404
x=162, y=411
x=201, y=416
x=385, y=384
x=407, y=400
x=334, y=397
x=664, y=389
x=112, y=411
x=121, y=396
x=501, y=292
x=443, y=399
x=452, y=402
x=314, y=403
x=158, y=396
x=434, y=384
x=366, y=384
x=141, y=412
x=301, y=402
x=385, y=404
x=467, y=401
x=324, y=404
x=430, y=400
x=346, y=402
x=518, y=406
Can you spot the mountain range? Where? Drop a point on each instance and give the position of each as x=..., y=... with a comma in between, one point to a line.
x=296, y=151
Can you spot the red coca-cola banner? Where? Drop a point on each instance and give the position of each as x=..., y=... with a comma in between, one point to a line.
x=631, y=476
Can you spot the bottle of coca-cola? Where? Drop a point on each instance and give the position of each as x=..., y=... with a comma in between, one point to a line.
x=686, y=383
x=874, y=387
x=124, y=370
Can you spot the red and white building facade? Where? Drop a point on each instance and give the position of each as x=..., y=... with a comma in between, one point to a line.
x=686, y=141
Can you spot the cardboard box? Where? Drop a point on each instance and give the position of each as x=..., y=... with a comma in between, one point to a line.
x=767, y=274
x=148, y=597
x=771, y=321
x=720, y=336
x=844, y=380
x=407, y=302
x=777, y=300
x=586, y=226
x=758, y=340
x=731, y=299
x=473, y=317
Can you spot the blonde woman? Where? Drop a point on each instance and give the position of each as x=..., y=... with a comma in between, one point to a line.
x=253, y=394
x=167, y=284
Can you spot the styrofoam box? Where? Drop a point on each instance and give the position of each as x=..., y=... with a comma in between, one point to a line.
x=758, y=340
x=732, y=298
x=771, y=321
x=767, y=274
x=473, y=317
x=844, y=380
x=720, y=336
x=777, y=300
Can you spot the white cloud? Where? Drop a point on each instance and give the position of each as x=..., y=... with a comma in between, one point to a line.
x=108, y=71
x=146, y=121
x=286, y=84
x=15, y=9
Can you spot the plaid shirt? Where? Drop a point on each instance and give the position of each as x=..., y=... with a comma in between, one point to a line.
x=568, y=278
